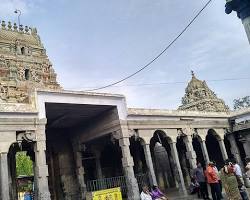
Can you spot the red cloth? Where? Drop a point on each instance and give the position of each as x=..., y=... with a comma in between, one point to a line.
x=211, y=175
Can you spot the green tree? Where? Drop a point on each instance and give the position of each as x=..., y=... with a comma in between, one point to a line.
x=243, y=102
x=24, y=165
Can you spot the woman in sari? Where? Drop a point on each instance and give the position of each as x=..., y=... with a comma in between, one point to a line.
x=229, y=181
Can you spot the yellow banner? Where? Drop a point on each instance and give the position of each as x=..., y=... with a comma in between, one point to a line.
x=109, y=194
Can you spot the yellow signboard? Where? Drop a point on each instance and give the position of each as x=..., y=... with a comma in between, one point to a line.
x=109, y=194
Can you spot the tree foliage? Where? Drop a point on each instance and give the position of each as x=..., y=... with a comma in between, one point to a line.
x=24, y=165
x=243, y=102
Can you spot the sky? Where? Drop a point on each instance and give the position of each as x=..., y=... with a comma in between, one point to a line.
x=92, y=43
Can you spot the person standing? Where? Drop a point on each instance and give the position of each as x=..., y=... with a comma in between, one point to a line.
x=217, y=172
x=199, y=175
x=239, y=177
x=229, y=181
x=213, y=181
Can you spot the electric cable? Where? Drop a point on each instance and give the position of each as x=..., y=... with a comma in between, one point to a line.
x=159, y=55
x=175, y=82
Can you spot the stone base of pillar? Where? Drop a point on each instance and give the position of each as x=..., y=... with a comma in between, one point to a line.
x=132, y=185
x=246, y=23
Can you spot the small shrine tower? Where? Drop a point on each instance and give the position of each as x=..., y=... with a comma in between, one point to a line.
x=198, y=97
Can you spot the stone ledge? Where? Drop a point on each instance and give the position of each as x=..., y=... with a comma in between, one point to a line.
x=176, y=113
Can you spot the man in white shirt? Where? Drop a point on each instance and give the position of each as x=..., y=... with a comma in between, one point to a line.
x=237, y=169
x=145, y=194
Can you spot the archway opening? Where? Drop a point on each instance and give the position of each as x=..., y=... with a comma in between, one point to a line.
x=21, y=159
x=137, y=152
x=111, y=165
x=228, y=148
x=163, y=160
x=140, y=166
x=196, y=142
x=213, y=148
x=185, y=165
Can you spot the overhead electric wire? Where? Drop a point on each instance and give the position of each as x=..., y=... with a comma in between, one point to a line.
x=160, y=54
x=176, y=82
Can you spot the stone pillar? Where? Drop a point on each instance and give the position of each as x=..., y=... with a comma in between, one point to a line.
x=181, y=183
x=150, y=166
x=234, y=149
x=97, y=152
x=127, y=163
x=98, y=165
x=223, y=149
x=4, y=177
x=202, y=133
x=41, y=168
x=77, y=150
x=80, y=175
x=190, y=154
x=221, y=134
x=204, y=151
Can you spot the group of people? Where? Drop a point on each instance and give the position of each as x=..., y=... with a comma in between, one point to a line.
x=154, y=194
x=230, y=177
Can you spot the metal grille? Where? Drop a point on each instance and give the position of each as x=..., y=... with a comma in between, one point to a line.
x=119, y=181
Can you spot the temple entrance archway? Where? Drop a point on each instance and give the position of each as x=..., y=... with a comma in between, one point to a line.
x=163, y=160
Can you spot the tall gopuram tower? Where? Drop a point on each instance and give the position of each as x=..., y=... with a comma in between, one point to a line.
x=242, y=7
x=198, y=97
x=24, y=64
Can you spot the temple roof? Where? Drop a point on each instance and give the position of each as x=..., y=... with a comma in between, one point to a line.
x=198, y=96
x=11, y=33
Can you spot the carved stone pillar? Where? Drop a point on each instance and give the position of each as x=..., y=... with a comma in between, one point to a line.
x=204, y=151
x=127, y=163
x=234, y=149
x=180, y=180
x=223, y=149
x=190, y=154
x=77, y=150
x=41, y=168
x=150, y=166
x=4, y=177
x=202, y=133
